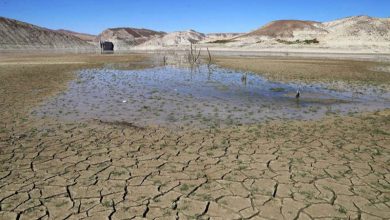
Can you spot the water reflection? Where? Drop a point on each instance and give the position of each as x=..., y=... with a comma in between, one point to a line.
x=243, y=79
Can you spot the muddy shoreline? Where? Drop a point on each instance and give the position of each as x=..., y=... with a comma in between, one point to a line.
x=280, y=53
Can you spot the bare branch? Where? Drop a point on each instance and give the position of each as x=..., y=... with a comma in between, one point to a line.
x=165, y=60
x=208, y=52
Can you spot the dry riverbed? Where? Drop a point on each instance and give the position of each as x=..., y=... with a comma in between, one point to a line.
x=335, y=167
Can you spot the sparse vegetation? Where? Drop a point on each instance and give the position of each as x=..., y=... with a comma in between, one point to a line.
x=107, y=203
x=277, y=89
x=184, y=187
x=307, y=41
x=342, y=209
x=223, y=41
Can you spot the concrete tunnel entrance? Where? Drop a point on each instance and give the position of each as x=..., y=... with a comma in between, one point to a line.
x=106, y=47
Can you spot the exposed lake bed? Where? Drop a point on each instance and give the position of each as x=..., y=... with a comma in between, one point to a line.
x=104, y=149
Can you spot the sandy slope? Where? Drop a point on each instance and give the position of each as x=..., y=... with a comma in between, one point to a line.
x=361, y=30
x=82, y=36
x=19, y=35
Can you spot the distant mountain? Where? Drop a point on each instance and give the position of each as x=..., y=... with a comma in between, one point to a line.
x=20, y=35
x=357, y=33
x=356, y=30
x=82, y=36
x=126, y=37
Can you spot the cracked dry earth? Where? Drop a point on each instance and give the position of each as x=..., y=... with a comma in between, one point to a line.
x=335, y=168
x=332, y=168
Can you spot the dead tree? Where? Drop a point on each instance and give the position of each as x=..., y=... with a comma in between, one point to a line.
x=193, y=55
x=208, y=52
x=164, y=60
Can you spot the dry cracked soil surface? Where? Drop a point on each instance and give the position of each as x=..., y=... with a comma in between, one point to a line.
x=333, y=168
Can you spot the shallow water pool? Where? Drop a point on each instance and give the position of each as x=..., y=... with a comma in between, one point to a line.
x=201, y=97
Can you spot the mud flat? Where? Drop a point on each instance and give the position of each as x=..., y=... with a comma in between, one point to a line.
x=335, y=166
x=277, y=53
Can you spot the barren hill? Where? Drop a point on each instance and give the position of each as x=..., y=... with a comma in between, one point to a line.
x=358, y=30
x=288, y=29
x=124, y=38
x=20, y=35
x=82, y=36
x=179, y=38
